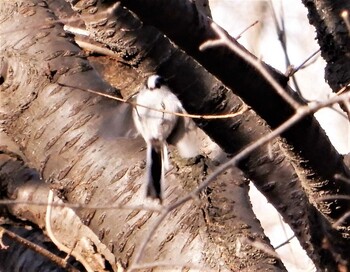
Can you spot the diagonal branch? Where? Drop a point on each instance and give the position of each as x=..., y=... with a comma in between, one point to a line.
x=237, y=73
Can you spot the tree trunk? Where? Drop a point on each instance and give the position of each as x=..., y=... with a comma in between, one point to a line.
x=60, y=132
x=64, y=133
x=333, y=37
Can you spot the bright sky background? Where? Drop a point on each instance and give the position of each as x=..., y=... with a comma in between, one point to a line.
x=235, y=16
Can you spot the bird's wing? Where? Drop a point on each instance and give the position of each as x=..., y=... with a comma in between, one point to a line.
x=185, y=137
x=116, y=122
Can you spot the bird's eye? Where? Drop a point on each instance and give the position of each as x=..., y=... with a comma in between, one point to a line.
x=159, y=82
x=154, y=82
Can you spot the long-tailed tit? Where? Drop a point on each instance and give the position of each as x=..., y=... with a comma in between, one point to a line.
x=157, y=125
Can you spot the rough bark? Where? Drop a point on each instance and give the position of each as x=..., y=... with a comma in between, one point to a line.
x=93, y=171
x=200, y=101
x=236, y=73
x=333, y=37
x=195, y=98
x=58, y=130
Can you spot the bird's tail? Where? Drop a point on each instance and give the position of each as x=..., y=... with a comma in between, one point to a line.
x=156, y=165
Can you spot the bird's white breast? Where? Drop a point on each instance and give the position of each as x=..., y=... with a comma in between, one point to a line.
x=156, y=124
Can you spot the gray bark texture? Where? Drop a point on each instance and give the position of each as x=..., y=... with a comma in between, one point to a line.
x=58, y=135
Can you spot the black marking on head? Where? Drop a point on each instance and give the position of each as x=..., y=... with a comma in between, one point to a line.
x=155, y=82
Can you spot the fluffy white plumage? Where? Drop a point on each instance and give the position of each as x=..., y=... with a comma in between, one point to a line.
x=155, y=124
x=158, y=127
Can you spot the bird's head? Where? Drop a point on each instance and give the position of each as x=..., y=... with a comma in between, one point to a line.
x=155, y=82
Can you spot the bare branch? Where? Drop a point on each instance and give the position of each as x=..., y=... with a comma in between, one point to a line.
x=38, y=249
x=193, y=116
x=223, y=40
x=301, y=112
x=246, y=29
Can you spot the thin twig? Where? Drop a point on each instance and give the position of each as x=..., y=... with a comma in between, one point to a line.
x=76, y=253
x=193, y=116
x=145, y=241
x=342, y=90
x=342, y=178
x=303, y=64
x=285, y=242
x=48, y=226
x=40, y=250
x=261, y=246
x=281, y=34
x=282, y=37
x=76, y=30
x=246, y=29
x=301, y=112
x=97, y=49
x=225, y=40
x=332, y=197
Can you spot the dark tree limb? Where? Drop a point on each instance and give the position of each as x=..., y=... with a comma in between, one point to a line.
x=57, y=166
x=36, y=248
x=236, y=73
x=58, y=129
x=333, y=37
x=197, y=100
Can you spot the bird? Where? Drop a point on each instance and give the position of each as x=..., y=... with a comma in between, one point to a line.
x=154, y=120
